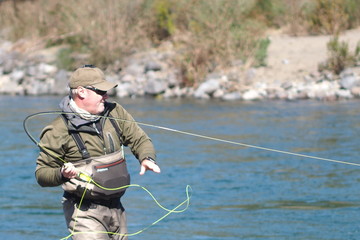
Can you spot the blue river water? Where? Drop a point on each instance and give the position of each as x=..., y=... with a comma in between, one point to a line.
x=238, y=191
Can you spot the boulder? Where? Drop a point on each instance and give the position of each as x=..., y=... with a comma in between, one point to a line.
x=232, y=96
x=348, y=79
x=355, y=91
x=207, y=88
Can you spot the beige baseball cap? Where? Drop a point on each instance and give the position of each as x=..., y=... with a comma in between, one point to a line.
x=90, y=76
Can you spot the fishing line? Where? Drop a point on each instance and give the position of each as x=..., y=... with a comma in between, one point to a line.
x=204, y=137
x=187, y=200
x=246, y=145
x=169, y=211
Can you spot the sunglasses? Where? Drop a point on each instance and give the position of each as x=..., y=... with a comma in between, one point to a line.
x=97, y=91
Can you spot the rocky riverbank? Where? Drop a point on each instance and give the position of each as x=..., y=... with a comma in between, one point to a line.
x=291, y=74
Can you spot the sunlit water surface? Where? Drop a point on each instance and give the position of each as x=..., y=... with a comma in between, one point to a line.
x=238, y=192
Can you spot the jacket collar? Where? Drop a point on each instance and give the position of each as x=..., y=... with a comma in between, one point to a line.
x=75, y=120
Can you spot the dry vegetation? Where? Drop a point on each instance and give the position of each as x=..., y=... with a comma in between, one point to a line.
x=211, y=34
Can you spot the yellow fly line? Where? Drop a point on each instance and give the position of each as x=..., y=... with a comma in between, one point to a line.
x=169, y=211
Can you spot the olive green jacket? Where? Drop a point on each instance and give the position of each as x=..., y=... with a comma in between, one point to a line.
x=57, y=145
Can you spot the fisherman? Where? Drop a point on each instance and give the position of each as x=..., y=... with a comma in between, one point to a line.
x=82, y=150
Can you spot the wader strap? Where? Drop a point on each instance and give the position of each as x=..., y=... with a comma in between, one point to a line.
x=117, y=128
x=78, y=140
x=80, y=143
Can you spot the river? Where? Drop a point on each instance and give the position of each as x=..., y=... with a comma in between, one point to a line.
x=238, y=192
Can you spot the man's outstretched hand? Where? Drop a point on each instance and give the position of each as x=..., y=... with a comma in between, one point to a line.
x=148, y=165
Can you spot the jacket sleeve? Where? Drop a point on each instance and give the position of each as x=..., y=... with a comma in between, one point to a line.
x=48, y=163
x=133, y=136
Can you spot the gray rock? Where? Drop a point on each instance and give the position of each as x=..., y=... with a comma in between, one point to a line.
x=134, y=69
x=152, y=66
x=123, y=89
x=286, y=85
x=156, y=83
x=232, y=96
x=8, y=66
x=251, y=95
x=17, y=75
x=47, y=69
x=344, y=94
x=127, y=78
x=219, y=93
x=7, y=86
x=207, y=88
x=60, y=83
x=34, y=87
x=348, y=79
x=169, y=93
x=355, y=91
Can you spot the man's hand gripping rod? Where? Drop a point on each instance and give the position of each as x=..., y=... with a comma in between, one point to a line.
x=70, y=171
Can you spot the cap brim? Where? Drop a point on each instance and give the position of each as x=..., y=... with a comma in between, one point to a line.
x=105, y=86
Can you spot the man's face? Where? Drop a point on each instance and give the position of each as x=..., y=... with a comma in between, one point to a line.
x=94, y=101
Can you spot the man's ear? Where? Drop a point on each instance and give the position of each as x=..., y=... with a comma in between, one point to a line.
x=82, y=93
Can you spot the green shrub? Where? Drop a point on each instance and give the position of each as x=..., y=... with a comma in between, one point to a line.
x=268, y=11
x=261, y=53
x=339, y=56
x=357, y=53
x=352, y=9
x=217, y=35
x=328, y=17
x=65, y=60
x=165, y=25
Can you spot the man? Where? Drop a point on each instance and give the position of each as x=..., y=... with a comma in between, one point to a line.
x=82, y=150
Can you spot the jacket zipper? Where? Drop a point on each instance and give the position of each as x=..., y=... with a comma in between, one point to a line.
x=101, y=138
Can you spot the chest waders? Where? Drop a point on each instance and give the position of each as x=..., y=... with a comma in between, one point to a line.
x=109, y=172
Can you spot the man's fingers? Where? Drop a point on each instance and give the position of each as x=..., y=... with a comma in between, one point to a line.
x=156, y=168
x=69, y=170
x=152, y=166
x=142, y=170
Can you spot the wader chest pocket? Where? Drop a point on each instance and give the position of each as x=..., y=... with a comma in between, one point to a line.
x=111, y=177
